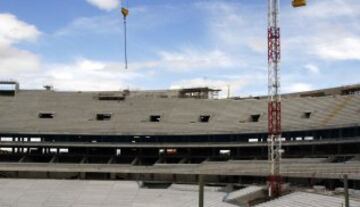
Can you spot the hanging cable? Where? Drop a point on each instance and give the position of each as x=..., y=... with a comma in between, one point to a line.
x=125, y=13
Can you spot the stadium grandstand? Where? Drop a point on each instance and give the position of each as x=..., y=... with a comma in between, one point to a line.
x=177, y=135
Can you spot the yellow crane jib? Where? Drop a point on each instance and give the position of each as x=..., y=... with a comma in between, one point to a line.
x=298, y=3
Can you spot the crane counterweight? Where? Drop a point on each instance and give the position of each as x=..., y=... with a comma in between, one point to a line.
x=298, y=3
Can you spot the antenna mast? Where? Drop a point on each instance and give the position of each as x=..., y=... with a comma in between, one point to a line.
x=274, y=99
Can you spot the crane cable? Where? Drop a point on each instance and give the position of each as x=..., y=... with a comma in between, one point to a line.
x=125, y=13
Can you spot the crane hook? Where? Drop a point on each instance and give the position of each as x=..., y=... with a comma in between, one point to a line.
x=125, y=13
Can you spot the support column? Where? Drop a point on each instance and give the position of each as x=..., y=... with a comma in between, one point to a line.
x=83, y=174
x=111, y=175
x=22, y=148
x=201, y=190
x=346, y=191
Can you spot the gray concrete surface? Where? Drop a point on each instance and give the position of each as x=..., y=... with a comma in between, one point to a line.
x=76, y=193
x=248, y=168
x=304, y=199
x=75, y=113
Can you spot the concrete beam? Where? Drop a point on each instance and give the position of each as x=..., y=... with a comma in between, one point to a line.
x=174, y=145
x=318, y=170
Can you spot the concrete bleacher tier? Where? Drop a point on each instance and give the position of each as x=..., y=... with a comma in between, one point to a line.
x=75, y=113
x=303, y=199
x=76, y=193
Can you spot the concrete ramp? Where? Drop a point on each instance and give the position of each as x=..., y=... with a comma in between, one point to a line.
x=244, y=197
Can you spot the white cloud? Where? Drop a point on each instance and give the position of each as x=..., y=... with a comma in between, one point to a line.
x=14, y=60
x=107, y=24
x=107, y=5
x=339, y=48
x=298, y=87
x=257, y=44
x=234, y=28
x=195, y=59
x=200, y=82
x=228, y=26
x=28, y=68
x=90, y=65
x=312, y=68
x=310, y=40
x=331, y=9
x=188, y=59
x=85, y=74
x=323, y=31
x=13, y=30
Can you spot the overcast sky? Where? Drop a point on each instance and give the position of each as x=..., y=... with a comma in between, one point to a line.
x=78, y=44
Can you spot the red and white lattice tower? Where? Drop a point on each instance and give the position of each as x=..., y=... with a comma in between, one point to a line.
x=274, y=102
